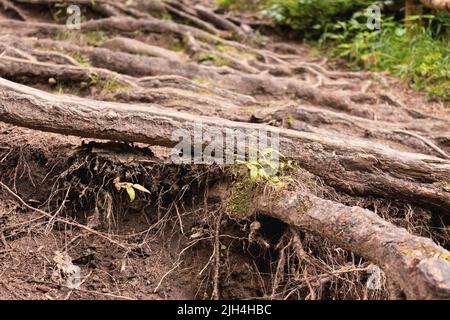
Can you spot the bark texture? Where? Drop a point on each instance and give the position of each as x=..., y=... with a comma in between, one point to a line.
x=416, y=264
x=358, y=166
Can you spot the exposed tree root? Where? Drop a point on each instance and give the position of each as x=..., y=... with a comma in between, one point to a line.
x=144, y=77
x=366, y=234
x=353, y=166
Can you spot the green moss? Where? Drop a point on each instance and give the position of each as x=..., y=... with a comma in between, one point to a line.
x=431, y=252
x=243, y=5
x=445, y=256
x=239, y=204
x=59, y=90
x=81, y=59
x=445, y=185
x=217, y=60
x=105, y=86
x=290, y=121
x=225, y=48
x=204, y=81
x=166, y=16
x=178, y=46
x=249, y=110
x=65, y=35
x=406, y=251
x=113, y=86
x=303, y=206
x=93, y=38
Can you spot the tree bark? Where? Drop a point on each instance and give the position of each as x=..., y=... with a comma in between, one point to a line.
x=353, y=165
x=417, y=265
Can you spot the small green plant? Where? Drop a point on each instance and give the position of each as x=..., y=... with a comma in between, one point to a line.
x=112, y=85
x=418, y=56
x=93, y=38
x=59, y=90
x=270, y=166
x=65, y=35
x=58, y=10
x=217, y=60
x=106, y=86
x=93, y=79
x=290, y=121
x=81, y=59
x=130, y=188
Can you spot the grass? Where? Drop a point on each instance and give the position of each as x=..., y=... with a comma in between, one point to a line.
x=419, y=55
x=416, y=55
x=81, y=59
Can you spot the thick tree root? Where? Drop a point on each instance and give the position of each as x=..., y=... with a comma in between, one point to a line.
x=417, y=265
x=352, y=166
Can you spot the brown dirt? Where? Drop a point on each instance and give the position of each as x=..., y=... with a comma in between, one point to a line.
x=165, y=240
x=108, y=271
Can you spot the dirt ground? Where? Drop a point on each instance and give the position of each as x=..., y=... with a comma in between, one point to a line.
x=61, y=199
x=138, y=255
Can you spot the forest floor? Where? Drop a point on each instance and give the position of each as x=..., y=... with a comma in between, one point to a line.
x=60, y=203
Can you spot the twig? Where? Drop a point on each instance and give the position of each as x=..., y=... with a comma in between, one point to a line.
x=166, y=274
x=215, y=293
x=111, y=295
x=312, y=293
x=426, y=141
x=179, y=219
x=65, y=221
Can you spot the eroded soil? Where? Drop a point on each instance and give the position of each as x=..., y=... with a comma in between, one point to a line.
x=162, y=245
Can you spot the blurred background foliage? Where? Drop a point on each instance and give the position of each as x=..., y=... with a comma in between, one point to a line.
x=414, y=46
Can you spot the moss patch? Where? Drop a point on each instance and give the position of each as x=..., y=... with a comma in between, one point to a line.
x=81, y=59
x=239, y=204
x=217, y=60
x=445, y=185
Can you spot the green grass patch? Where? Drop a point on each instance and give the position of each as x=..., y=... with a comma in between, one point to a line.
x=420, y=54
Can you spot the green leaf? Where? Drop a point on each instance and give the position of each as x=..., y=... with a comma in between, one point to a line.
x=254, y=173
x=400, y=32
x=131, y=193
